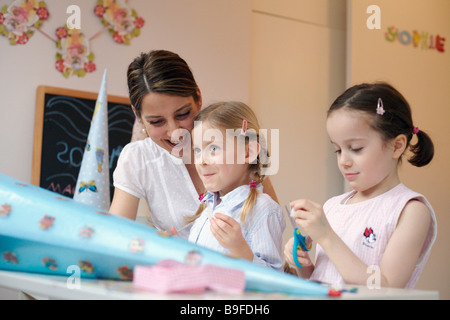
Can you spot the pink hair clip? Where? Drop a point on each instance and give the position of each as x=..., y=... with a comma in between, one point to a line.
x=202, y=196
x=380, y=107
x=244, y=124
x=416, y=130
x=252, y=183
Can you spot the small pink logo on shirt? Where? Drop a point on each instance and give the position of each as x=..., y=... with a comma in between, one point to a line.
x=369, y=237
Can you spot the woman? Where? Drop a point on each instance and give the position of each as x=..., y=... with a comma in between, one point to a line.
x=165, y=99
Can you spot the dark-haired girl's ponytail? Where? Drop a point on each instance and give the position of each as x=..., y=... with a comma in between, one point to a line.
x=423, y=150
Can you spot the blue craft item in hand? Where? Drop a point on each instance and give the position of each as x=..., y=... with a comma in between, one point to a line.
x=299, y=243
x=299, y=239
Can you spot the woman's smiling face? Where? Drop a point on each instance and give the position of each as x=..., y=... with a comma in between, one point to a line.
x=163, y=115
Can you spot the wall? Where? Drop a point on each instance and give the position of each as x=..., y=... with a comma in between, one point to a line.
x=423, y=77
x=199, y=30
x=286, y=57
x=297, y=69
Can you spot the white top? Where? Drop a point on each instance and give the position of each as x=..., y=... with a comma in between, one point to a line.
x=145, y=170
x=263, y=228
x=366, y=227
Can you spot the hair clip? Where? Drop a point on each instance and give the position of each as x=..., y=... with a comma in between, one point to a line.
x=252, y=183
x=244, y=131
x=416, y=130
x=202, y=196
x=380, y=107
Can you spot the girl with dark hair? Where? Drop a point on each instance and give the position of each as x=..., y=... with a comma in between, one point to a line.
x=381, y=232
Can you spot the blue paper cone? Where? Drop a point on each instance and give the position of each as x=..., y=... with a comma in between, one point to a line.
x=92, y=186
x=44, y=232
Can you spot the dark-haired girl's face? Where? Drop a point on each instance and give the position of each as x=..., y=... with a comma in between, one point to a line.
x=168, y=120
x=366, y=161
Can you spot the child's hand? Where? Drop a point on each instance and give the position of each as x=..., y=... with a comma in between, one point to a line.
x=173, y=231
x=302, y=256
x=228, y=233
x=310, y=216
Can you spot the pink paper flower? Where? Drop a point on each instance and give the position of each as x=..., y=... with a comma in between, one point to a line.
x=22, y=39
x=118, y=38
x=73, y=57
x=90, y=67
x=99, y=10
x=59, y=65
x=21, y=18
x=139, y=22
x=123, y=23
x=43, y=13
x=61, y=32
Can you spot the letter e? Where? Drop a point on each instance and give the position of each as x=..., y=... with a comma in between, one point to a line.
x=440, y=41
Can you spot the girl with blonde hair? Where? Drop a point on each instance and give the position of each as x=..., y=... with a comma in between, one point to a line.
x=165, y=99
x=235, y=217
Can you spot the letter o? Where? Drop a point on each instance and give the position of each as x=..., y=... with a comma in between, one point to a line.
x=404, y=37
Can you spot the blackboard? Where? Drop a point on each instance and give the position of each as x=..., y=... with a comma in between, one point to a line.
x=61, y=128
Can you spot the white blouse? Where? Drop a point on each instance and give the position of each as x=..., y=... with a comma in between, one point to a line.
x=145, y=170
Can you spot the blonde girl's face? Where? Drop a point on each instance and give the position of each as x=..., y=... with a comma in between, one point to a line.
x=168, y=120
x=365, y=160
x=217, y=162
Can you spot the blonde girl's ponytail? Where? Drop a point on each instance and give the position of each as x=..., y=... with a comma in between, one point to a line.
x=250, y=201
x=199, y=211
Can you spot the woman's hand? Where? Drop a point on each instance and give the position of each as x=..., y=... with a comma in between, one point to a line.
x=228, y=233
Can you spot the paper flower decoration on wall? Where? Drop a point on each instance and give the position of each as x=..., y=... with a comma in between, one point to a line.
x=122, y=22
x=18, y=19
x=73, y=56
x=22, y=18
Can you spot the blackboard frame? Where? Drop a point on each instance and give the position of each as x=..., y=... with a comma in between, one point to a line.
x=42, y=93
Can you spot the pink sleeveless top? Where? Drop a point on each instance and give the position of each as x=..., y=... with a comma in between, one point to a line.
x=366, y=227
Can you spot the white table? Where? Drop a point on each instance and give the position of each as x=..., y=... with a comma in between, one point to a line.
x=58, y=287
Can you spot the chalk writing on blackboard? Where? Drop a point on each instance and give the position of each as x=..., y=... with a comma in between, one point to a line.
x=61, y=130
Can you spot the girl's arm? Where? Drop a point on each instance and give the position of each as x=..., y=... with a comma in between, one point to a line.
x=405, y=245
x=124, y=204
x=401, y=253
